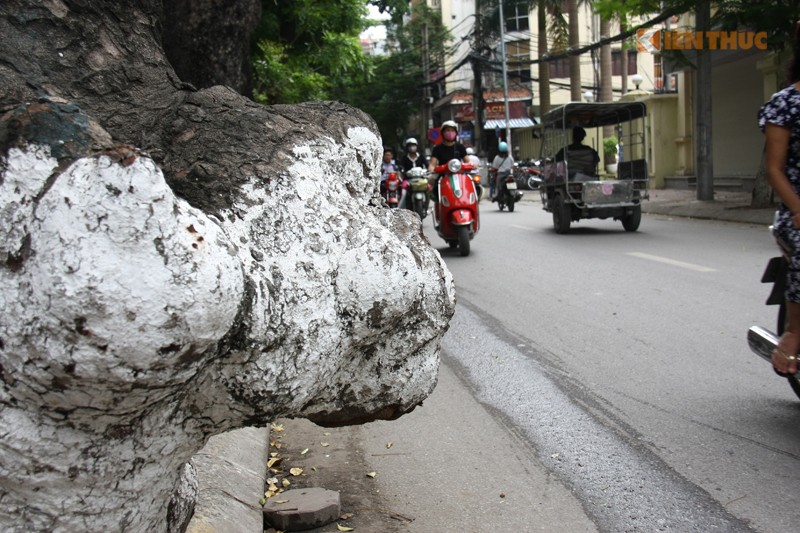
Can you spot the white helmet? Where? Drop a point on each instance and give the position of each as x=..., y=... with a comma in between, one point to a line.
x=449, y=124
x=470, y=151
x=411, y=140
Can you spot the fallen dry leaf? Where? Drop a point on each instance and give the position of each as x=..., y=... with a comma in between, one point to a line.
x=340, y=527
x=295, y=471
x=277, y=428
x=346, y=516
x=304, y=452
x=325, y=444
x=272, y=462
x=372, y=474
x=389, y=444
x=286, y=482
x=327, y=433
x=313, y=468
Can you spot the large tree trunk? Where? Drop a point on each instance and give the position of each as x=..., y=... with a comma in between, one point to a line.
x=208, y=41
x=175, y=263
x=606, y=71
x=575, y=89
x=544, y=66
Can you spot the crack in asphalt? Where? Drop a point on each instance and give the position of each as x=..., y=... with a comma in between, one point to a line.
x=622, y=484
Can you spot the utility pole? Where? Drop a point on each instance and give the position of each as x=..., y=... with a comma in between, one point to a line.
x=477, y=83
x=505, y=75
x=427, y=108
x=704, y=165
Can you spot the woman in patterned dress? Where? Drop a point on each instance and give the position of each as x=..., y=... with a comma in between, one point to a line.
x=780, y=120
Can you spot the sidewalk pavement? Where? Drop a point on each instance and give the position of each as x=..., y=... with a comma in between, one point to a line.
x=729, y=206
x=232, y=481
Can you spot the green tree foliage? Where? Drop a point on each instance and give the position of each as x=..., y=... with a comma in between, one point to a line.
x=308, y=49
x=776, y=18
x=393, y=93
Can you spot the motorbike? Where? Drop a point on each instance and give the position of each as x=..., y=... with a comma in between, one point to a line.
x=419, y=197
x=507, y=194
x=762, y=341
x=455, y=209
x=475, y=174
x=393, y=190
x=524, y=171
x=532, y=171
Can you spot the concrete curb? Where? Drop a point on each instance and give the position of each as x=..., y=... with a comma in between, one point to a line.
x=231, y=471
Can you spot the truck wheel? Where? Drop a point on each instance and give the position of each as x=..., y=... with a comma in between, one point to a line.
x=561, y=214
x=631, y=222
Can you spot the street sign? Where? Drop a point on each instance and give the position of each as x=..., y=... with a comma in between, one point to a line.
x=435, y=135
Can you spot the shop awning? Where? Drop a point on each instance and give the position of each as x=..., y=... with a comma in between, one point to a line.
x=513, y=123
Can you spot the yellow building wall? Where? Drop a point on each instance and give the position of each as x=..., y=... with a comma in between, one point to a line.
x=662, y=111
x=737, y=94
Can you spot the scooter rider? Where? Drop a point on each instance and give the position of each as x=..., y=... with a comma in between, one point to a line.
x=411, y=158
x=387, y=165
x=502, y=167
x=444, y=152
x=474, y=160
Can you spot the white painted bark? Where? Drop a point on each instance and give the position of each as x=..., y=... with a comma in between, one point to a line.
x=135, y=326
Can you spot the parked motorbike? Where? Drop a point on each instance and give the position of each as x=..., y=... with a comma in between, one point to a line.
x=418, y=197
x=393, y=190
x=534, y=171
x=455, y=209
x=761, y=340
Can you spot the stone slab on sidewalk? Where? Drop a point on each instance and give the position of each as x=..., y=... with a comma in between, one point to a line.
x=231, y=473
x=302, y=509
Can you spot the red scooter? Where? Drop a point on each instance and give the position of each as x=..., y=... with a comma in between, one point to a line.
x=394, y=193
x=455, y=211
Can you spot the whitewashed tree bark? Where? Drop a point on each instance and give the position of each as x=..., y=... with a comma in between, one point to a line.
x=236, y=267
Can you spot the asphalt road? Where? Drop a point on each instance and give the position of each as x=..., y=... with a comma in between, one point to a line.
x=621, y=359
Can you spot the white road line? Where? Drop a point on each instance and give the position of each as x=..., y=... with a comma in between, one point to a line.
x=521, y=227
x=673, y=262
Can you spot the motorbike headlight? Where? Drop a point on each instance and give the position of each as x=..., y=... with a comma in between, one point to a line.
x=454, y=165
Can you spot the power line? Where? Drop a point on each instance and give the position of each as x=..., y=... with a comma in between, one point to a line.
x=579, y=51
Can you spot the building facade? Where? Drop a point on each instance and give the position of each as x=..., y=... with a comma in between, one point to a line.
x=741, y=81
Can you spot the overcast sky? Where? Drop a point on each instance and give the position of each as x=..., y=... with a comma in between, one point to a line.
x=375, y=32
